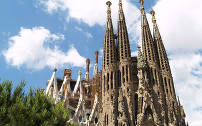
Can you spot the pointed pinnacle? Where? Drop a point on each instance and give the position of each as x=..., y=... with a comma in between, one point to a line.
x=142, y=6
x=153, y=16
x=120, y=3
x=79, y=72
x=96, y=56
x=142, y=2
x=55, y=69
x=108, y=3
x=178, y=100
x=109, y=9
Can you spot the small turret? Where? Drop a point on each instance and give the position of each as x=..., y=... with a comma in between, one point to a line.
x=87, y=69
x=95, y=70
x=96, y=57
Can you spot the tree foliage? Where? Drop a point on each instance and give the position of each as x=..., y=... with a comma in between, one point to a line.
x=31, y=109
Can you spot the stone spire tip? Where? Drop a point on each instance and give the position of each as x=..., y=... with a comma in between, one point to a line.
x=152, y=12
x=55, y=69
x=79, y=72
x=87, y=64
x=120, y=2
x=87, y=61
x=108, y=3
x=109, y=9
x=96, y=56
x=142, y=6
x=142, y=2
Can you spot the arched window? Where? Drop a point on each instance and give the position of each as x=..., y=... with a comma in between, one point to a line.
x=80, y=118
x=104, y=83
x=126, y=73
x=96, y=120
x=166, y=85
x=119, y=78
x=111, y=80
x=123, y=74
x=136, y=106
x=107, y=81
x=107, y=120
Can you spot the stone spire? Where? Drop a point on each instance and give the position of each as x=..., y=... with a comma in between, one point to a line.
x=150, y=54
x=96, y=85
x=148, y=45
x=109, y=66
x=163, y=60
x=109, y=51
x=124, y=57
x=123, y=45
x=164, y=64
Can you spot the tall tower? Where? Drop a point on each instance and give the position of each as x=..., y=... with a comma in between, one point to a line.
x=166, y=73
x=124, y=56
x=148, y=46
x=150, y=55
x=109, y=66
x=163, y=60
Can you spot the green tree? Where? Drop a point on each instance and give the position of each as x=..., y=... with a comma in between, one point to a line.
x=31, y=109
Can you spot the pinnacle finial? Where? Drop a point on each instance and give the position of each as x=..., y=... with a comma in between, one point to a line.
x=87, y=64
x=108, y=3
x=142, y=2
x=109, y=9
x=96, y=56
x=55, y=69
x=142, y=6
x=120, y=3
x=152, y=12
x=178, y=100
x=79, y=72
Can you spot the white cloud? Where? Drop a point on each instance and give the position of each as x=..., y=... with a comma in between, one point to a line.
x=188, y=85
x=100, y=52
x=88, y=35
x=180, y=23
x=133, y=54
x=32, y=48
x=93, y=12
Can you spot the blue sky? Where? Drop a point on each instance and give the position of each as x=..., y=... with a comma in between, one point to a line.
x=28, y=14
x=37, y=35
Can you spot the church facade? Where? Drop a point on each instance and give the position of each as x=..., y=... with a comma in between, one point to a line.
x=128, y=91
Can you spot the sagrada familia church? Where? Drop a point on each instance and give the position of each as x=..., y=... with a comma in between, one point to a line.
x=128, y=91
